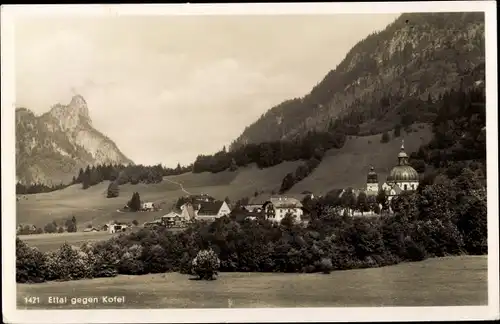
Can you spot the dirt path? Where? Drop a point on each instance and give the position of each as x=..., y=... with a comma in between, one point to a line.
x=180, y=185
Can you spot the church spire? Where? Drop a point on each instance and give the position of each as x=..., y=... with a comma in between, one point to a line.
x=402, y=157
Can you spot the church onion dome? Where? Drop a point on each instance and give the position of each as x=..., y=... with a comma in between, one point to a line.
x=372, y=176
x=403, y=172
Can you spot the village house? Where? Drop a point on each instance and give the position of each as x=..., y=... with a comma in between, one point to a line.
x=256, y=204
x=276, y=208
x=91, y=229
x=153, y=223
x=173, y=219
x=148, y=206
x=212, y=210
x=114, y=228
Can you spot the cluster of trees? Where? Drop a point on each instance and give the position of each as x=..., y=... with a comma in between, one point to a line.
x=118, y=173
x=300, y=173
x=122, y=174
x=69, y=226
x=444, y=217
x=23, y=189
x=459, y=139
x=268, y=154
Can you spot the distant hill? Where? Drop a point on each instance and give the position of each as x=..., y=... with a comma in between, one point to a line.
x=51, y=148
x=385, y=79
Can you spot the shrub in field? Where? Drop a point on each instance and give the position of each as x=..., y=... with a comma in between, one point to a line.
x=439, y=238
x=326, y=265
x=155, y=259
x=30, y=263
x=130, y=262
x=205, y=264
x=69, y=263
x=106, y=258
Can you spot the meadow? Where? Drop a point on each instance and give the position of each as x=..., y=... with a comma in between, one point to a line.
x=50, y=242
x=345, y=167
x=457, y=281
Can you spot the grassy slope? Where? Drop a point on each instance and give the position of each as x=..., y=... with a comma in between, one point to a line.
x=446, y=281
x=92, y=206
x=349, y=166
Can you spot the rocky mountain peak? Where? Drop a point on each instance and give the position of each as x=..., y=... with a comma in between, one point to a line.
x=52, y=147
x=73, y=114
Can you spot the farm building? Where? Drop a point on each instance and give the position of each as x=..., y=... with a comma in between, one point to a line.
x=91, y=229
x=212, y=210
x=173, y=219
x=152, y=224
x=148, y=206
x=114, y=228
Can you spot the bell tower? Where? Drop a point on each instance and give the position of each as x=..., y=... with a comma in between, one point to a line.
x=372, y=181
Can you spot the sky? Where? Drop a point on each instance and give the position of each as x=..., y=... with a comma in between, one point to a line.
x=168, y=88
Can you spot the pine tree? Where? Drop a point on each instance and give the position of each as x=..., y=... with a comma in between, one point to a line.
x=86, y=178
x=71, y=225
x=113, y=190
x=397, y=130
x=233, y=166
x=385, y=137
x=135, y=202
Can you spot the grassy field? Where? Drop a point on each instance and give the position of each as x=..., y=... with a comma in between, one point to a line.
x=48, y=242
x=340, y=168
x=447, y=281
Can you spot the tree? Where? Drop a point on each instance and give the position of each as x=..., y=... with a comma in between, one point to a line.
x=71, y=225
x=385, y=137
x=205, y=264
x=60, y=229
x=135, y=222
x=50, y=227
x=135, y=202
x=382, y=198
x=288, y=182
x=30, y=263
x=348, y=200
x=397, y=130
x=113, y=190
x=86, y=178
x=233, y=166
x=362, y=202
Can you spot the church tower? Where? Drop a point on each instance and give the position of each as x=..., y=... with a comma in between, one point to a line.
x=372, y=181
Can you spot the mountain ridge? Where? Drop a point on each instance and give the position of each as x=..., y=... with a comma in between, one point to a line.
x=51, y=147
x=417, y=57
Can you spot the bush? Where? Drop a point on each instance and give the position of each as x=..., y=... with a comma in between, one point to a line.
x=205, y=264
x=326, y=265
x=69, y=263
x=30, y=263
x=130, y=262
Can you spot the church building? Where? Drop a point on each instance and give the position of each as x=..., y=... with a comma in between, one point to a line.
x=403, y=177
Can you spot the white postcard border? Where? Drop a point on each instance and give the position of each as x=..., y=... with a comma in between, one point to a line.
x=372, y=314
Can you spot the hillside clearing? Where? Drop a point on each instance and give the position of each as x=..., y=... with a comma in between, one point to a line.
x=457, y=281
x=349, y=166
